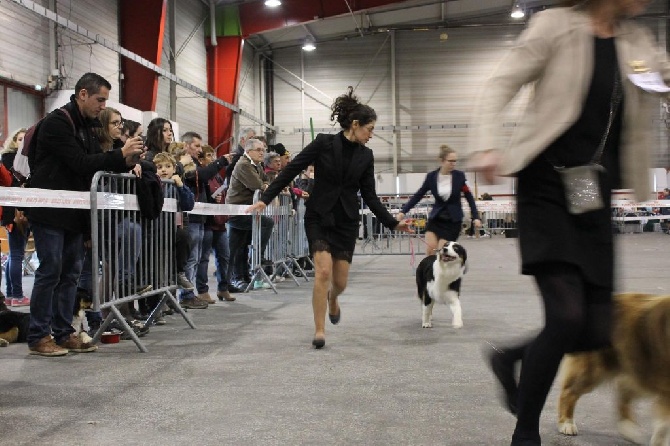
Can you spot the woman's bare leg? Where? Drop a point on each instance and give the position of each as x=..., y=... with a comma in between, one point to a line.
x=433, y=243
x=323, y=273
x=340, y=278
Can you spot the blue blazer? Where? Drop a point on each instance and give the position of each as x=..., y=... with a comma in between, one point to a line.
x=452, y=206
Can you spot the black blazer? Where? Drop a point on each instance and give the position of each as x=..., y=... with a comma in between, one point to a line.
x=452, y=205
x=331, y=183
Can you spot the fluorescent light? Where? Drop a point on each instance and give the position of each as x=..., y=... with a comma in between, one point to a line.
x=272, y=3
x=308, y=45
x=517, y=13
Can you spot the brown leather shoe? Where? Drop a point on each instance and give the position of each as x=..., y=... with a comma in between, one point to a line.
x=205, y=297
x=47, y=347
x=75, y=344
x=225, y=295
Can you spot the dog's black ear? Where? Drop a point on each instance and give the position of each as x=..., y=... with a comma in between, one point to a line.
x=460, y=250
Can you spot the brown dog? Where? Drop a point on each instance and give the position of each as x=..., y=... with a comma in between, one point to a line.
x=13, y=327
x=639, y=362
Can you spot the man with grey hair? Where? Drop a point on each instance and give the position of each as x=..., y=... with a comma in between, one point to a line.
x=245, y=135
x=246, y=179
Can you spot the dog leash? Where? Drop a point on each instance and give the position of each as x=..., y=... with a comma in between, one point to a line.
x=412, y=259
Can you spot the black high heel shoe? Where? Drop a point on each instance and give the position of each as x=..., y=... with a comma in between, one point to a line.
x=335, y=318
x=318, y=343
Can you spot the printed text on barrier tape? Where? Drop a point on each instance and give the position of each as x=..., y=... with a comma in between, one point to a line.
x=47, y=198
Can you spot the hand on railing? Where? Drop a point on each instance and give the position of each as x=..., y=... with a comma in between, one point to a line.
x=177, y=180
x=137, y=170
x=256, y=208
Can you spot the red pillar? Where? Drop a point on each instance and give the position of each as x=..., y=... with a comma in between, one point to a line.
x=223, y=70
x=141, y=30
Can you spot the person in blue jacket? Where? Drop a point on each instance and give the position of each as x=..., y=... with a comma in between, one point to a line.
x=446, y=218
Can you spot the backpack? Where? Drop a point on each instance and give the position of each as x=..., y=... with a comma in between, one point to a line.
x=26, y=156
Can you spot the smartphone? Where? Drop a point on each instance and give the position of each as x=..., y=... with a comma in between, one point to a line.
x=136, y=158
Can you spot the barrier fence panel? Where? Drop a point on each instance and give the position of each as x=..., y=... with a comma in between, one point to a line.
x=498, y=217
x=132, y=257
x=276, y=255
x=279, y=247
x=377, y=239
x=298, y=245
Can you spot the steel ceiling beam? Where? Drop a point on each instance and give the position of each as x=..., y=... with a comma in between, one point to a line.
x=256, y=18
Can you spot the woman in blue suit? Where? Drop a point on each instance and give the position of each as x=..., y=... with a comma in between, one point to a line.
x=446, y=217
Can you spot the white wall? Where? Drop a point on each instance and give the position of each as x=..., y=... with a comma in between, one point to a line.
x=191, y=63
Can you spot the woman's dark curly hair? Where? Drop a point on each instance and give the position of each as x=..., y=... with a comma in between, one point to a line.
x=347, y=109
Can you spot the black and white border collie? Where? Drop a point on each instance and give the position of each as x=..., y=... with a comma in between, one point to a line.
x=438, y=278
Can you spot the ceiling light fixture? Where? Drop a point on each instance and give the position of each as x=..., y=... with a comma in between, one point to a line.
x=517, y=12
x=309, y=45
x=272, y=3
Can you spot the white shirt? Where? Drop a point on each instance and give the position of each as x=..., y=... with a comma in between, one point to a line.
x=444, y=186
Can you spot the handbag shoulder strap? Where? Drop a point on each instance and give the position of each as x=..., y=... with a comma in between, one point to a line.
x=617, y=94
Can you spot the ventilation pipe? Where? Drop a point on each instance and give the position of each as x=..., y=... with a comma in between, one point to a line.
x=212, y=22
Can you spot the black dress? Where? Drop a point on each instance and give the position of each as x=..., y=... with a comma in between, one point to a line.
x=336, y=233
x=547, y=232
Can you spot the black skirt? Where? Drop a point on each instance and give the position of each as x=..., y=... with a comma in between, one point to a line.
x=549, y=234
x=336, y=234
x=444, y=228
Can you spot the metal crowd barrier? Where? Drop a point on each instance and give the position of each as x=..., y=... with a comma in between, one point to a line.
x=298, y=245
x=499, y=217
x=130, y=253
x=287, y=243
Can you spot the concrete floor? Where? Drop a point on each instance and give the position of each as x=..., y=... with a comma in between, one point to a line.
x=249, y=376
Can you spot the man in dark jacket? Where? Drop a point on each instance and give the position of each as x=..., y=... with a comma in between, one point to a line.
x=196, y=180
x=66, y=158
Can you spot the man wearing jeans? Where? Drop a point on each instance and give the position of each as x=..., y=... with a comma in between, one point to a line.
x=66, y=155
x=197, y=180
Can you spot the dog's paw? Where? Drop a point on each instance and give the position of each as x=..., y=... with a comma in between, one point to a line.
x=631, y=432
x=85, y=338
x=457, y=324
x=4, y=342
x=568, y=427
x=427, y=325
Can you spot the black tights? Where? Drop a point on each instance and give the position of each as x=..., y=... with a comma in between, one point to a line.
x=577, y=318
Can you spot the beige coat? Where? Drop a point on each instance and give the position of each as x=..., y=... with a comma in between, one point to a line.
x=556, y=55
